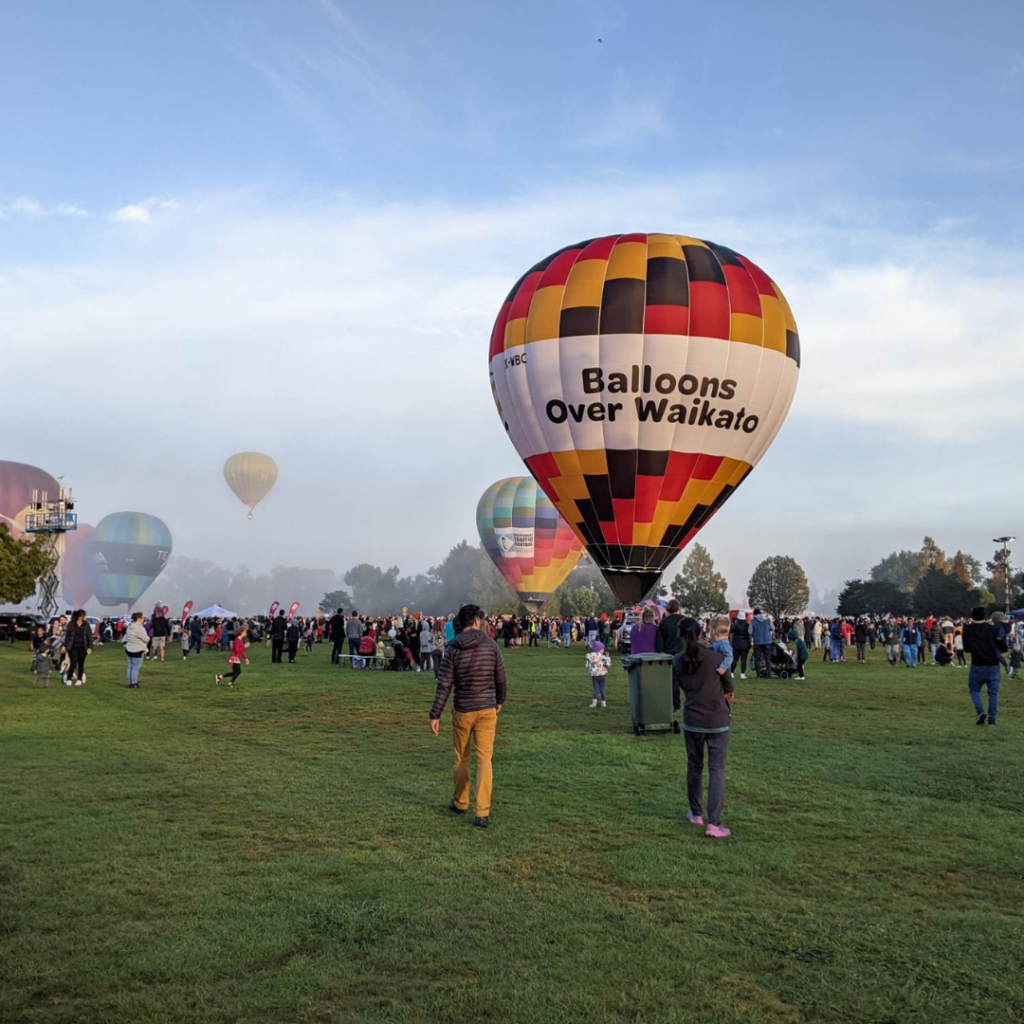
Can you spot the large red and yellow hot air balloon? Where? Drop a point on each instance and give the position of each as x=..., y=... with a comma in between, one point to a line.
x=250, y=475
x=17, y=481
x=641, y=377
x=527, y=539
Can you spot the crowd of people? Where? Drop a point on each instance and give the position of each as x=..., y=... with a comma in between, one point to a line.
x=463, y=653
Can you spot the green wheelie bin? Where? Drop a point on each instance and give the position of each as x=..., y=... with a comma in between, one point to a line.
x=650, y=692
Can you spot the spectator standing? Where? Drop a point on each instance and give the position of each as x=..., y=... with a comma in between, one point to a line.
x=136, y=643
x=473, y=669
x=668, y=639
x=336, y=624
x=77, y=641
x=982, y=644
x=761, y=637
x=911, y=639
x=277, y=631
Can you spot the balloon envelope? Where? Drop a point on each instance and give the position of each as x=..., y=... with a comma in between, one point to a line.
x=528, y=541
x=17, y=481
x=127, y=551
x=75, y=580
x=250, y=475
x=641, y=377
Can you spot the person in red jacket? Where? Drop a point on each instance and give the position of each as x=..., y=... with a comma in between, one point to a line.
x=237, y=656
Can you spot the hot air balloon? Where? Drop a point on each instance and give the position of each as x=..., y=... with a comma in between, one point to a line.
x=127, y=551
x=526, y=538
x=75, y=580
x=641, y=377
x=250, y=475
x=17, y=481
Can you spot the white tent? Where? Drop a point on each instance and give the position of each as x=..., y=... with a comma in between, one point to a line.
x=215, y=611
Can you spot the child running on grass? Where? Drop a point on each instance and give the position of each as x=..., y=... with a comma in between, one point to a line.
x=237, y=656
x=598, y=664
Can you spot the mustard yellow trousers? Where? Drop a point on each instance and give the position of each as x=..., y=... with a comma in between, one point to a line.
x=476, y=728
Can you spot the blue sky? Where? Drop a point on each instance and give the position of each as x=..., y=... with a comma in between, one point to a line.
x=308, y=196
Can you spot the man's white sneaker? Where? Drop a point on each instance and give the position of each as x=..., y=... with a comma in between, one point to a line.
x=593, y=703
x=743, y=675
x=604, y=703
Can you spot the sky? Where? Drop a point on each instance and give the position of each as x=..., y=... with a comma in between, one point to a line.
x=288, y=225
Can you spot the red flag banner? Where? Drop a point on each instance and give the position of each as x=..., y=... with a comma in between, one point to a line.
x=274, y=607
x=185, y=611
x=291, y=611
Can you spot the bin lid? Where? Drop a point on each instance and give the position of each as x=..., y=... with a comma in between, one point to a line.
x=632, y=660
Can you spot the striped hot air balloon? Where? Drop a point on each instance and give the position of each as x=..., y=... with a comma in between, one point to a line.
x=526, y=538
x=250, y=475
x=74, y=572
x=127, y=551
x=641, y=377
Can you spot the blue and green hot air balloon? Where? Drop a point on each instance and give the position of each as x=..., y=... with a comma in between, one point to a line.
x=128, y=550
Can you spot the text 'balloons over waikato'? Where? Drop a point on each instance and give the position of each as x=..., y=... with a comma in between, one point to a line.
x=127, y=551
x=641, y=377
x=527, y=539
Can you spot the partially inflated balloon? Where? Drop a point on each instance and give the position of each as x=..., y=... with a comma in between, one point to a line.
x=526, y=538
x=641, y=377
x=75, y=580
x=17, y=482
x=250, y=475
x=127, y=551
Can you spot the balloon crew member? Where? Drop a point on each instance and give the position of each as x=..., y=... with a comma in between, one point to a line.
x=237, y=656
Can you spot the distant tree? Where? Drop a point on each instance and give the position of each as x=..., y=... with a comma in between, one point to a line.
x=374, y=590
x=967, y=569
x=900, y=568
x=453, y=578
x=335, y=599
x=587, y=574
x=581, y=601
x=872, y=597
x=22, y=562
x=942, y=593
x=490, y=590
x=931, y=556
x=779, y=586
x=697, y=587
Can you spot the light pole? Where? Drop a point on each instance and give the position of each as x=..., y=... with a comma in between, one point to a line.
x=1006, y=567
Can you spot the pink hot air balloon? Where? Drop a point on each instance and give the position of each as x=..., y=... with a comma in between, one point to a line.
x=17, y=482
x=76, y=587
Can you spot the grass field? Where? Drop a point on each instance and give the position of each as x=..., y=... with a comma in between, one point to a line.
x=282, y=852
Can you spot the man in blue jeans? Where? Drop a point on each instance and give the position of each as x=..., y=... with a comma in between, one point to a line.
x=981, y=642
x=761, y=629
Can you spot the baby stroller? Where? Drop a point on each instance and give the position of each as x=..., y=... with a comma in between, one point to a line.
x=783, y=663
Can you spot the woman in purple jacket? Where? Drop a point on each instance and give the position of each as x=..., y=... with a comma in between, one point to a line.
x=707, y=693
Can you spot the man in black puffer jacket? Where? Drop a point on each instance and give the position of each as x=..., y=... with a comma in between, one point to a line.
x=473, y=668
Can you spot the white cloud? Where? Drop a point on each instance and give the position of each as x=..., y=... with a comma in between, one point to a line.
x=350, y=341
x=29, y=207
x=143, y=213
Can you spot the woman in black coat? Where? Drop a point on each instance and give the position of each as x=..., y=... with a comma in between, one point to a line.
x=78, y=644
x=739, y=638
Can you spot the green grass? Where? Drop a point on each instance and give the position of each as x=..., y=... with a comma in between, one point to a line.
x=282, y=852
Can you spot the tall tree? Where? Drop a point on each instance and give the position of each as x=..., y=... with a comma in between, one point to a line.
x=490, y=590
x=779, y=586
x=931, y=556
x=900, y=568
x=942, y=593
x=697, y=587
x=22, y=562
x=873, y=597
x=335, y=599
x=580, y=600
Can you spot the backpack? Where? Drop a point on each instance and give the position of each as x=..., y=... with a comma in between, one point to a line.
x=367, y=645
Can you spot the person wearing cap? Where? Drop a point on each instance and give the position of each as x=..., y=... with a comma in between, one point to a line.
x=598, y=663
x=981, y=642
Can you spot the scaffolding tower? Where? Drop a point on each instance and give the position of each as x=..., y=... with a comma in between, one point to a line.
x=50, y=519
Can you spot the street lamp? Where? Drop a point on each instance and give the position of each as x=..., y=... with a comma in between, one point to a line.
x=1006, y=566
